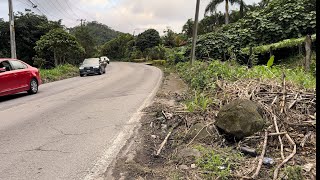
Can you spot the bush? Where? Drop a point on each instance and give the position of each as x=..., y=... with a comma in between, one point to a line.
x=281, y=19
x=202, y=76
x=59, y=73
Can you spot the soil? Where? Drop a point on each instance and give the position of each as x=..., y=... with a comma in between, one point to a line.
x=137, y=159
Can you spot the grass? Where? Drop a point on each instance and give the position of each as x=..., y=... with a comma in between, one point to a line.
x=293, y=172
x=215, y=165
x=59, y=73
x=203, y=75
x=200, y=102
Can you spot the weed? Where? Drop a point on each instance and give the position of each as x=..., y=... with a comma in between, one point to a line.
x=199, y=102
x=58, y=73
x=202, y=76
x=294, y=173
x=214, y=164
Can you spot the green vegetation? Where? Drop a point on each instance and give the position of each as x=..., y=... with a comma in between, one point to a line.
x=217, y=165
x=29, y=27
x=100, y=33
x=62, y=46
x=287, y=43
x=58, y=73
x=203, y=76
x=199, y=102
x=293, y=173
x=118, y=48
x=279, y=20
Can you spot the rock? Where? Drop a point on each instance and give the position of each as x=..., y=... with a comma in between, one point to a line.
x=268, y=161
x=193, y=166
x=154, y=136
x=183, y=167
x=188, y=152
x=240, y=118
x=205, y=133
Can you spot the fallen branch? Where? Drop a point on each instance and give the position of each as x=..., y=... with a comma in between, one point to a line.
x=276, y=171
x=270, y=134
x=163, y=143
x=198, y=134
x=283, y=103
x=294, y=102
x=254, y=176
x=305, y=138
x=280, y=140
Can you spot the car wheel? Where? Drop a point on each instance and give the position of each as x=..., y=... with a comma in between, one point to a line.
x=100, y=71
x=81, y=75
x=33, y=86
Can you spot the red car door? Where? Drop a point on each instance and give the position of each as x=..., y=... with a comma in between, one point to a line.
x=21, y=74
x=7, y=79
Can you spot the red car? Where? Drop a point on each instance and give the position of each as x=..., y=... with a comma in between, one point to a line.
x=17, y=76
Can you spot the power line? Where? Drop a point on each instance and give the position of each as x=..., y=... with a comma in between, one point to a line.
x=62, y=7
x=67, y=2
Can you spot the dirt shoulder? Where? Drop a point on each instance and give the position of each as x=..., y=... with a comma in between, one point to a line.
x=176, y=142
x=137, y=159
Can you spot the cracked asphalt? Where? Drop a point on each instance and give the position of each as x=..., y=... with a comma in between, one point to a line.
x=74, y=128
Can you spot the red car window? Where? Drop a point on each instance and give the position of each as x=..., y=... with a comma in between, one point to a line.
x=6, y=65
x=18, y=65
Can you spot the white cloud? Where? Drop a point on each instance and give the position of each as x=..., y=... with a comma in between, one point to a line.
x=121, y=15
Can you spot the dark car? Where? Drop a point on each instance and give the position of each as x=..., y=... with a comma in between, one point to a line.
x=17, y=76
x=91, y=66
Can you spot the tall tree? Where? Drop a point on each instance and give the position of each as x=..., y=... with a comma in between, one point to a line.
x=86, y=40
x=148, y=39
x=29, y=27
x=212, y=7
x=61, y=45
x=187, y=28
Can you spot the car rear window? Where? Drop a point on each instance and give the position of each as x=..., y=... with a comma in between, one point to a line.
x=18, y=65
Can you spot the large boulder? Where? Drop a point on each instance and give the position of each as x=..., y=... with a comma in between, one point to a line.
x=240, y=118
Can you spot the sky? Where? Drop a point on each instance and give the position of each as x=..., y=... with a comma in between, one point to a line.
x=130, y=16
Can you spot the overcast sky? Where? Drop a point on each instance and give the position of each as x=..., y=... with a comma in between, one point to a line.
x=121, y=15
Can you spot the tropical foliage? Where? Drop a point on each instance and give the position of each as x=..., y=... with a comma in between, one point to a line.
x=29, y=27
x=281, y=19
x=62, y=46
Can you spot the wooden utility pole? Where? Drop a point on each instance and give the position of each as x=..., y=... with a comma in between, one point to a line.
x=12, y=33
x=82, y=20
x=307, y=60
x=195, y=32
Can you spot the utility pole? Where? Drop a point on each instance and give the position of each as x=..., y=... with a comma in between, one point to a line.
x=195, y=32
x=82, y=20
x=12, y=33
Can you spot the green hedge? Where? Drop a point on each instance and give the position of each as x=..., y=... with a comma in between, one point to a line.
x=287, y=43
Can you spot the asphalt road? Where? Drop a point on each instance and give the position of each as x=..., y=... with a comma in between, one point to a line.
x=73, y=129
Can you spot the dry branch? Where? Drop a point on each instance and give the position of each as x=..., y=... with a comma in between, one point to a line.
x=163, y=143
x=254, y=176
x=280, y=140
x=276, y=171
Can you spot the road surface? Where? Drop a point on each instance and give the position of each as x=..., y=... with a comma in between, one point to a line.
x=72, y=129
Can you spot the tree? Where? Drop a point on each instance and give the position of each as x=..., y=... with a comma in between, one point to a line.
x=119, y=47
x=29, y=27
x=148, y=39
x=61, y=45
x=169, y=38
x=187, y=28
x=86, y=40
x=212, y=6
x=100, y=33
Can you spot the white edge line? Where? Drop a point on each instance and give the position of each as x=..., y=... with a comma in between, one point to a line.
x=110, y=152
